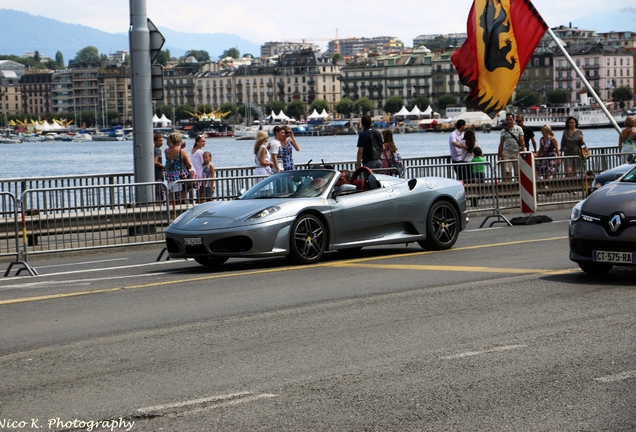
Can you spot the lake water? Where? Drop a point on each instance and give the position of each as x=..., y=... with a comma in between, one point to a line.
x=47, y=159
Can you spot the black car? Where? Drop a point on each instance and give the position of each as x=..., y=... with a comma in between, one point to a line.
x=611, y=175
x=602, y=229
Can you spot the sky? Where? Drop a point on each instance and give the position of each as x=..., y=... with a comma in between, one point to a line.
x=275, y=20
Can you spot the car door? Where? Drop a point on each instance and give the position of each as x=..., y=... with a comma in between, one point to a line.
x=363, y=215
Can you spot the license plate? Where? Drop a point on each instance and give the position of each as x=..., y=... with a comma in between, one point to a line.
x=193, y=241
x=614, y=257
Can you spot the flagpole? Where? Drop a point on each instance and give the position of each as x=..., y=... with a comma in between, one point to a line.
x=587, y=84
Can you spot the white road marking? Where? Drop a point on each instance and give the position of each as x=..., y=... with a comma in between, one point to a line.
x=617, y=377
x=45, y=284
x=486, y=351
x=85, y=262
x=193, y=402
x=233, y=402
x=97, y=269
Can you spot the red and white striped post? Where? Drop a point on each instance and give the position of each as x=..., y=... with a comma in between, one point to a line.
x=527, y=183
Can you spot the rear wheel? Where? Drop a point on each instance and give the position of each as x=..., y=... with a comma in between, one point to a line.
x=595, y=268
x=308, y=240
x=211, y=262
x=442, y=227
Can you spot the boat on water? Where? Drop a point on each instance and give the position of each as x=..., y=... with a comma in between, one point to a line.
x=588, y=116
x=5, y=140
x=82, y=137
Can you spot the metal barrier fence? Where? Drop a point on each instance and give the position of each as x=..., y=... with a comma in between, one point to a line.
x=17, y=186
x=100, y=221
x=9, y=226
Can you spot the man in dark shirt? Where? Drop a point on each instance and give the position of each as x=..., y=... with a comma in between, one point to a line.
x=528, y=133
x=366, y=156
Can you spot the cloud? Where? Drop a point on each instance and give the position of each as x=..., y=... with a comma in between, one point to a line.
x=262, y=21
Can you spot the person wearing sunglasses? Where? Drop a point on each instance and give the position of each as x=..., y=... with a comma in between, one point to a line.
x=286, y=150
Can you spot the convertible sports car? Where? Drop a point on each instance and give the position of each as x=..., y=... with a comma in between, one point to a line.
x=602, y=228
x=303, y=213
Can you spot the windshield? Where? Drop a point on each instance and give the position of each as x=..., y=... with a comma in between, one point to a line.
x=291, y=184
x=630, y=177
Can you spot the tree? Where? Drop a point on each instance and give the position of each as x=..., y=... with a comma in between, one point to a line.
x=558, y=96
x=37, y=57
x=231, y=52
x=202, y=56
x=393, y=104
x=204, y=108
x=622, y=94
x=164, y=109
x=59, y=59
x=320, y=104
x=363, y=105
x=182, y=112
x=228, y=106
x=89, y=53
x=162, y=57
x=446, y=100
x=345, y=106
x=526, y=98
x=422, y=103
x=111, y=116
x=274, y=106
x=296, y=109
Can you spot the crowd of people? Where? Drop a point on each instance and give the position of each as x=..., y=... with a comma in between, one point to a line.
x=377, y=150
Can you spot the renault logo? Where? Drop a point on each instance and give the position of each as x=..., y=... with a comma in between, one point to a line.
x=615, y=223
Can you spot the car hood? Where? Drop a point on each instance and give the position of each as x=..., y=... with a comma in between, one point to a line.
x=612, y=198
x=224, y=214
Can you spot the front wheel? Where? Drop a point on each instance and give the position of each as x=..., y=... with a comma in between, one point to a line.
x=595, y=268
x=211, y=262
x=442, y=227
x=308, y=240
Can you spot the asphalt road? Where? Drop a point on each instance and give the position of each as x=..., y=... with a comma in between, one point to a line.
x=502, y=332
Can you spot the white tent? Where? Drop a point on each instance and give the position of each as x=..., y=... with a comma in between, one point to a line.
x=44, y=126
x=415, y=112
x=403, y=112
x=314, y=115
x=164, y=121
x=428, y=111
x=324, y=114
x=155, y=119
x=281, y=116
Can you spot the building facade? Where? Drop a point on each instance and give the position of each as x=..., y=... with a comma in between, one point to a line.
x=605, y=68
x=115, y=93
x=35, y=87
x=62, y=91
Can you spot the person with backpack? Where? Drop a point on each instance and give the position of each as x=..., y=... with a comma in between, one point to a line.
x=369, y=145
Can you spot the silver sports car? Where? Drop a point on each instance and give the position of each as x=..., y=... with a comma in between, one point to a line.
x=603, y=227
x=303, y=213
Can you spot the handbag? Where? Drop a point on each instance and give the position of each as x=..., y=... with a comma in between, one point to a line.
x=186, y=174
x=584, y=152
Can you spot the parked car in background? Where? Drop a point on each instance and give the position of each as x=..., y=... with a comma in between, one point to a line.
x=602, y=230
x=302, y=214
x=611, y=175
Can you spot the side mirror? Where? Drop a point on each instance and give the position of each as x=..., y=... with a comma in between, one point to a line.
x=344, y=189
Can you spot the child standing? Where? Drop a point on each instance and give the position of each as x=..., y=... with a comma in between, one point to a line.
x=479, y=170
x=207, y=172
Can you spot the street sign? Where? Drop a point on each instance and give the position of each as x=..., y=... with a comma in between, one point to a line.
x=156, y=41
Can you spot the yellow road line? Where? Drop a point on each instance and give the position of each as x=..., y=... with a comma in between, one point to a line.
x=351, y=262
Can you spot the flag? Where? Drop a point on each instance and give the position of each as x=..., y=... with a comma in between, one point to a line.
x=502, y=35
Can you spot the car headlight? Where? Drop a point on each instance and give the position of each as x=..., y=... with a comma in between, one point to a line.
x=576, y=211
x=264, y=213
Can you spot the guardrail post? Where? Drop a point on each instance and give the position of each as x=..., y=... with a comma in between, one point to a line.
x=21, y=254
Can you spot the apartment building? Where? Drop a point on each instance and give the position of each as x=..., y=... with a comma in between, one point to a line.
x=350, y=47
x=35, y=86
x=86, y=87
x=10, y=91
x=115, y=93
x=62, y=91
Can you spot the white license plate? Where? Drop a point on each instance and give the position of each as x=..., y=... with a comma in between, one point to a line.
x=193, y=241
x=614, y=257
